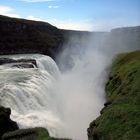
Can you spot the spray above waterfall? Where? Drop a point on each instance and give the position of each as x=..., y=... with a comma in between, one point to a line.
x=84, y=63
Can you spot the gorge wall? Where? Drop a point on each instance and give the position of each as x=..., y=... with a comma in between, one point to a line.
x=120, y=118
x=24, y=36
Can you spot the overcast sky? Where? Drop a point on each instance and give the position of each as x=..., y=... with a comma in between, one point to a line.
x=96, y=15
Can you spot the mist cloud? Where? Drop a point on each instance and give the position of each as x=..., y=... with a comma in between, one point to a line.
x=84, y=64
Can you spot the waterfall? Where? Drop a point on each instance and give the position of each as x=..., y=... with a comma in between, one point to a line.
x=64, y=103
x=29, y=93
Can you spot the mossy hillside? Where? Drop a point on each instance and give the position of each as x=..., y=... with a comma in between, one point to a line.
x=120, y=119
x=124, y=76
x=38, y=133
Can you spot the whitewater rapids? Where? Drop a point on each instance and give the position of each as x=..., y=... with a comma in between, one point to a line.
x=65, y=104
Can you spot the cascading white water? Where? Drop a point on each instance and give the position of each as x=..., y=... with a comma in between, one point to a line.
x=29, y=93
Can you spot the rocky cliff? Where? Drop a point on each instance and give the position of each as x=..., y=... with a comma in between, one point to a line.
x=120, y=118
x=6, y=124
x=26, y=36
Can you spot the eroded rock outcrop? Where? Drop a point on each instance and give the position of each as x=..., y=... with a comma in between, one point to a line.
x=6, y=124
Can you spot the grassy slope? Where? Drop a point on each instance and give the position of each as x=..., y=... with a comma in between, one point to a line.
x=30, y=134
x=120, y=119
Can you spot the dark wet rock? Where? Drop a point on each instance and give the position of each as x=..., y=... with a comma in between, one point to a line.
x=24, y=65
x=5, y=60
x=20, y=63
x=107, y=103
x=6, y=124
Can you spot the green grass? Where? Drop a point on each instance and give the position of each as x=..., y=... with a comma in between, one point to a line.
x=37, y=133
x=120, y=120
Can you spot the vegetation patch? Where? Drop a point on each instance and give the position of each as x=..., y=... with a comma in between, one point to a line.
x=120, y=119
x=37, y=133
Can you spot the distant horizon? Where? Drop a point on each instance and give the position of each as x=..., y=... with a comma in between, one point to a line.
x=81, y=15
